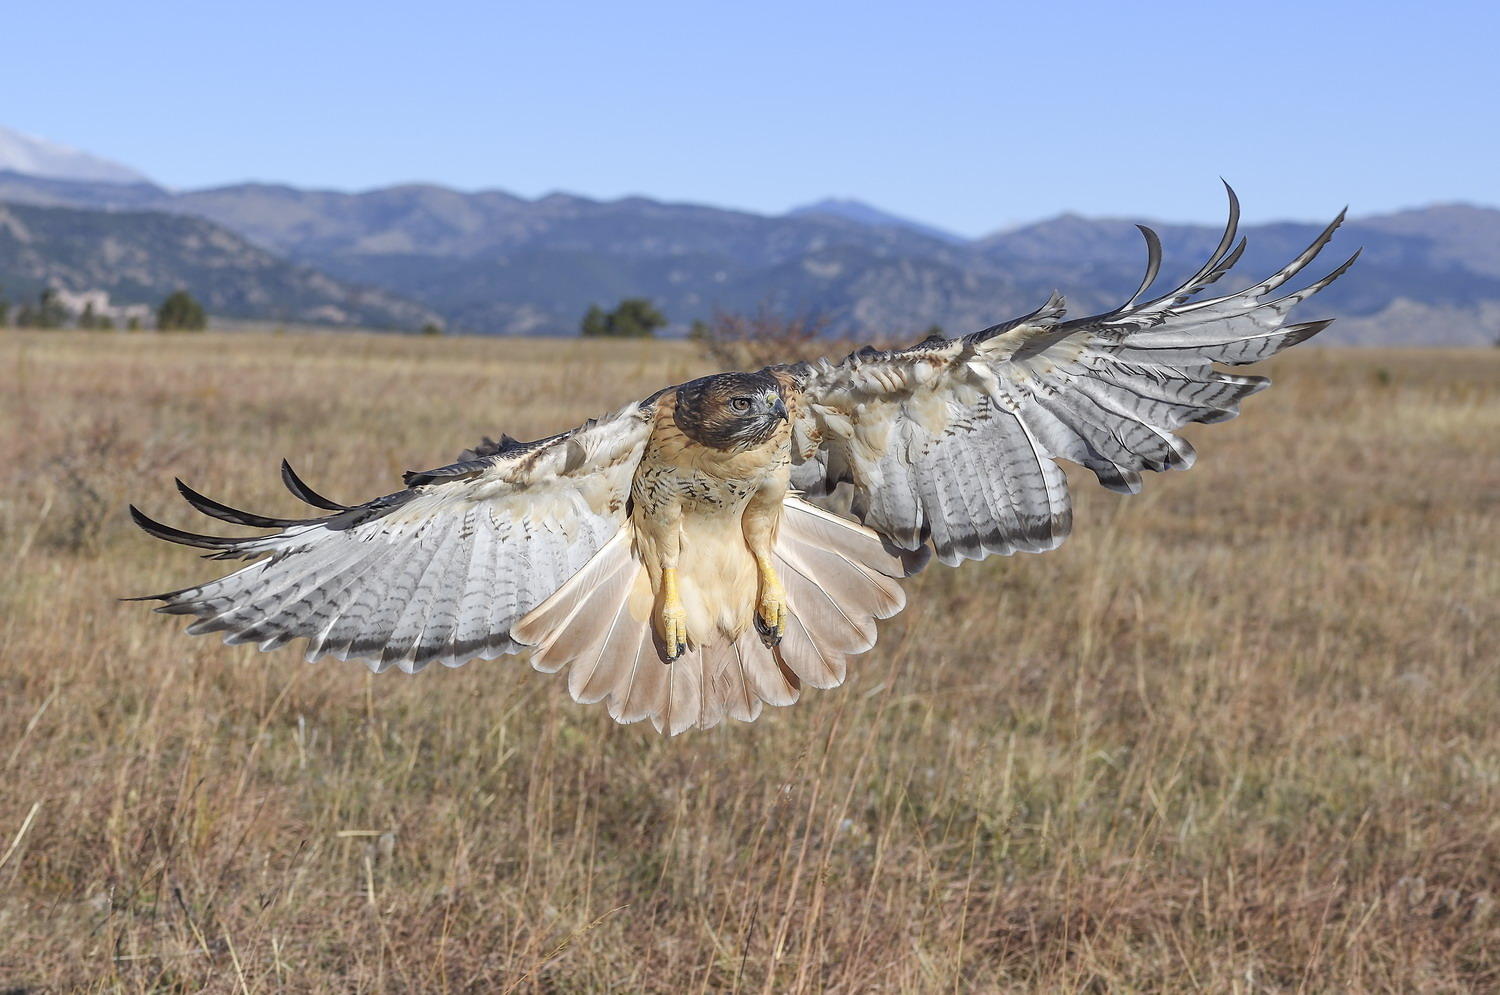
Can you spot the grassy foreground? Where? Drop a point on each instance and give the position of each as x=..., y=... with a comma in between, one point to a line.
x=1239, y=734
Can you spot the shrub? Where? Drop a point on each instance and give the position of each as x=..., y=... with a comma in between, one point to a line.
x=634, y=317
x=181, y=312
x=764, y=338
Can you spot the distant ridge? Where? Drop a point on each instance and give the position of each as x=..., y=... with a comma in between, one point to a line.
x=491, y=262
x=861, y=213
x=138, y=257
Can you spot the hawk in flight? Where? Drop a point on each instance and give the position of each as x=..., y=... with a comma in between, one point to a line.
x=673, y=556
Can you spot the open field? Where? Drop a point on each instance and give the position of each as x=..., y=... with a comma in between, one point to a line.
x=1241, y=733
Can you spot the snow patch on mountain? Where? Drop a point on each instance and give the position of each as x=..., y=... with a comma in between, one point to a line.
x=22, y=153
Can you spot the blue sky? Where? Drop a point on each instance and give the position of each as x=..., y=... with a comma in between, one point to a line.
x=967, y=115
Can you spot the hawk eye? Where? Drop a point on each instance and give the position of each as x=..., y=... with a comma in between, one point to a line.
x=739, y=404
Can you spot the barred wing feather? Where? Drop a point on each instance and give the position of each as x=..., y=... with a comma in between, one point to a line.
x=439, y=571
x=956, y=440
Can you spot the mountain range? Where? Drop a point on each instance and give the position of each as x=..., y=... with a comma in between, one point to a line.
x=495, y=263
x=142, y=256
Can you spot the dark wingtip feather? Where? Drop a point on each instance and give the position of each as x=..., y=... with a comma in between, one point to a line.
x=1153, y=265
x=1218, y=261
x=302, y=492
x=1302, y=332
x=224, y=513
x=1311, y=252
x=165, y=596
x=1316, y=286
x=1224, y=266
x=1120, y=479
x=1234, y=212
x=178, y=608
x=154, y=528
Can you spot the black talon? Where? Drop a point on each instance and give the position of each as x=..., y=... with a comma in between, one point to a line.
x=770, y=635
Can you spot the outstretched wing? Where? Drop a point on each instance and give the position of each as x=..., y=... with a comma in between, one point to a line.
x=955, y=440
x=439, y=571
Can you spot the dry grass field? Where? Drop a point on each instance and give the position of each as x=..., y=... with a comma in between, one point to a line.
x=1240, y=734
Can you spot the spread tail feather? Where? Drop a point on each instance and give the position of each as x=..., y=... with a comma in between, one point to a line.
x=839, y=578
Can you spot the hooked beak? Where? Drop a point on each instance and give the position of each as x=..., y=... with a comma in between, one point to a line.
x=778, y=408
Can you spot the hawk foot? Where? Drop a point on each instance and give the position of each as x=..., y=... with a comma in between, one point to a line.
x=771, y=611
x=674, y=631
x=673, y=618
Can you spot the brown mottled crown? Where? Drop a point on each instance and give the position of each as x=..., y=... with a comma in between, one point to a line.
x=730, y=410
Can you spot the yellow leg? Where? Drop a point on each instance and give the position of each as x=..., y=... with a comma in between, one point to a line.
x=673, y=616
x=771, y=609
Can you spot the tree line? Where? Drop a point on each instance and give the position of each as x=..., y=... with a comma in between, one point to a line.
x=742, y=340
x=180, y=311
x=632, y=318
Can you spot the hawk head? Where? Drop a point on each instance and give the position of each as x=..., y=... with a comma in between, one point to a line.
x=730, y=410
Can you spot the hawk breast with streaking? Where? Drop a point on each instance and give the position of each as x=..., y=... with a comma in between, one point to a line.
x=673, y=556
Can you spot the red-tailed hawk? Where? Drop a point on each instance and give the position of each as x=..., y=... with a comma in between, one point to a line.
x=668, y=555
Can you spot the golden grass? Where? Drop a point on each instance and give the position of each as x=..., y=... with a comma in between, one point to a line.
x=1239, y=734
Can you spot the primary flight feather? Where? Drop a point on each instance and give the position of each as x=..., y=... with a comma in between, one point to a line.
x=668, y=555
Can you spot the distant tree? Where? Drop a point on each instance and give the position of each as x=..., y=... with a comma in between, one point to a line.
x=4, y=311
x=132, y=324
x=633, y=318
x=104, y=323
x=432, y=328
x=181, y=312
x=594, y=322
x=88, y=319
x=25, y=318
x=49, y=313
x=636, y=318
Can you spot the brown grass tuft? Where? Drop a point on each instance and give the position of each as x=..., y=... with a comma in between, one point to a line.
x=1239, y=734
